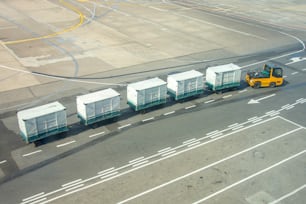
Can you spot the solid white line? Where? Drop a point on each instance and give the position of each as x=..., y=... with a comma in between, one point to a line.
x=244, y=90
x=294, y=123
x=106, y=171
x=164, y=150
x=250, y=177
x=74, y=187
x=227, y=96
x=124, y=126
x=34, y=196
x=140, y=163
x=257, y=120
x=193, y=144
x=67, y=143
x=294, y=73
x=168, y=153
x=209, y=166
x=158, y=9
x=136, y=160
x=37, y=201
x=288, y=195
x=108, y=175
x=210, y=101
x=216, y=135
x=2, y=162
x=190, y=107
x=145, y=120
x=94, y=135
x=25, y=155
x=169, y=113
x=72, y=182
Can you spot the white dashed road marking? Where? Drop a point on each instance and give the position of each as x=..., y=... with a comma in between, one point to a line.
x=67, y=143
x=2, y=162
x=169, y=113
x=124, y=126
x=94, y=135
x=25, y=155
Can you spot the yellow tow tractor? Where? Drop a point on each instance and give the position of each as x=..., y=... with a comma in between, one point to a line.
x=270, y=76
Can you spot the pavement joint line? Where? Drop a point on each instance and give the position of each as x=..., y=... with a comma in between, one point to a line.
x=164, y=150
x=251, y=176
x=189, y=107
x=74, y=187
x=106, y=171
x=67, y=143
x=109, y=175
x=150, y=163
x=33, y=196
x=72, y=182
x=288, y=194
x=227, y=96
x=210, y=101
x=31, y=153
x=137, y=159
x=148, y=119
x=94, y=135
x=193, y=144
x=124, y=126
x=168, y=153
x=2, y=162
x=140, y=163
x=294, y=73
x=210, y=165
x=169, y=113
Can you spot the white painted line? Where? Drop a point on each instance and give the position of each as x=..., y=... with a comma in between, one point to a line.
x=210, y=101
x=193, y=144
x=294, y=73
x=289, y=121
x=190, y=107
x=37, y=201
x=145, y=120
x=25, y=155
x=212, y=133
x=34, y=196
x=209, y=166
x=168, y=153
x=244, y=90
x=94, y=135
x=74, y=187
x=304, y=69
x=169, y=113
x=136, y=160
x=233, y=125
x=216, y=135
x=158, y=9
x=257, y=120
x=109, y=175
x=250, y=177
x=253, y=118
x=106, y=171
x=67, y=143
x=189, y=141
x=140, y=163
x=2, y=162
x=236, y=128
x=72, y=182
x=288, y=195
x=285, y=76
x=300, y=100
x=124, y=126
x=227, y=96
x=164, y=150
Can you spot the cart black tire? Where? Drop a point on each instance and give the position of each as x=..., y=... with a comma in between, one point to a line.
x=272, y=84
x=257, y=85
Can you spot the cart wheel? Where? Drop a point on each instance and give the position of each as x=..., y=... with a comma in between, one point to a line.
x=257, y=85
x=272, y=84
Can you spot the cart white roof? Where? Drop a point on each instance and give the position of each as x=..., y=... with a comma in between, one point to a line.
x=186, y=75
x=224, y=68
x=98, y=96
x=146, y=84
x=40, y=111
